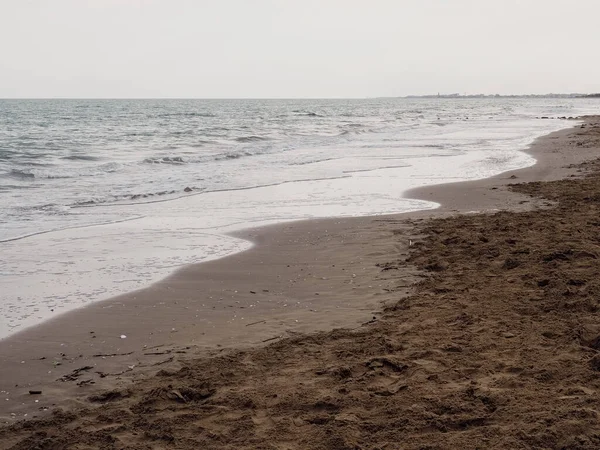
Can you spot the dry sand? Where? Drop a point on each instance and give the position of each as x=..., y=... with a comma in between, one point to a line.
x=495, y=348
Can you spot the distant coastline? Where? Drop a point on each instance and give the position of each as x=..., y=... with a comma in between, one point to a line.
x=459, y=96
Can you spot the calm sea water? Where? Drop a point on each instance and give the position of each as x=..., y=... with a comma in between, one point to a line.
x=98, y=197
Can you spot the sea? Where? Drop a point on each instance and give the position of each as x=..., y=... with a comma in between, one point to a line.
x=103, y=197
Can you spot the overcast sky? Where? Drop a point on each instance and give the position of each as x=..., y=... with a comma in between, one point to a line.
x=296, y=48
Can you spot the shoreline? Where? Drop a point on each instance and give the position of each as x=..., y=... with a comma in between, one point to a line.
x=189, y=231
x=296, y=269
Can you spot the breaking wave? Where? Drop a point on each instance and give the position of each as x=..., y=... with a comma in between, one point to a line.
x=165, y=160
x=125, y=197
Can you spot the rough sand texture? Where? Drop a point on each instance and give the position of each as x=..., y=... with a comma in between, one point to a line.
x=495, y=349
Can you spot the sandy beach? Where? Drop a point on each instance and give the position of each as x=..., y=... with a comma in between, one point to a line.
x=470, y=326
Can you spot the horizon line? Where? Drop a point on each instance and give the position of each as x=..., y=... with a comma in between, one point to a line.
x=438, y=95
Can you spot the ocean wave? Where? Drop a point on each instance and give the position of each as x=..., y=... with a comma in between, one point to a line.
x=81, y=158
x=187, y=114
x=150, y=194
x=354, y=129
x=53, y=209
x=165, y=196
x=7, y=154
x=58, y=173
x=306, y=113
x=351, y=114
x=10, y=187
x=20, y=174
x=252, y=138
x=199, y=159
x=178, y=133
x=59, y=177
x=88, y=203
x=165, y=160
x=233, y=155
x=139, y=133
x=201, y=142
x=109, y=167
x=120, y=198
x=354, y=132
x=33, y=155
x=32, y=163
x=138, y=198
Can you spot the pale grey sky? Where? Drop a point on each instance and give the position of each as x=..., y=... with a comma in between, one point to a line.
x=296, y=48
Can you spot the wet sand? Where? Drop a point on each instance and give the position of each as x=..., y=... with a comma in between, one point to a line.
x=251, y=374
